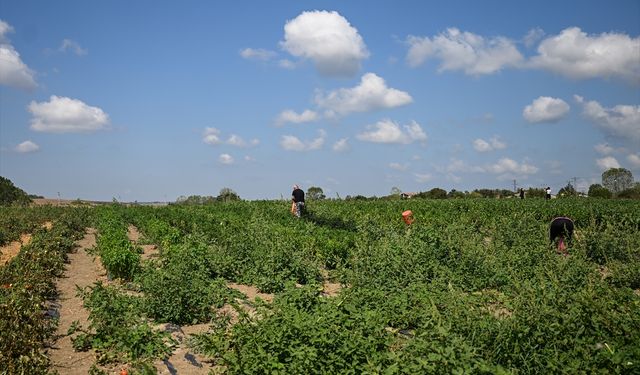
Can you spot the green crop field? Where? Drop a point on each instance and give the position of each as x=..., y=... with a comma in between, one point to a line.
x=472, y=286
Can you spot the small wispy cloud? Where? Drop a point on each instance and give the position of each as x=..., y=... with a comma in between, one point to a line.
x=73, y=46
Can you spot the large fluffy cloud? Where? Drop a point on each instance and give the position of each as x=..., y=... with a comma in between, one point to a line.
x=457, y=50
x=65, y=115
x=293, y=143
x=387, y=131
x=27, y=147
x=328, y=40
x=575, y=54
x=371, y=94
x=607, y=163
x=13, y=72
x=634, y=160
x=621, y=121
x=545, y=109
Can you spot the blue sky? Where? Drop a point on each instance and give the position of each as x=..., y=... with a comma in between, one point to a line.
x=150, y=100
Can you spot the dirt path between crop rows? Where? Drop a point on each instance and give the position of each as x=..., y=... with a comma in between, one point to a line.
x=81, y=271
x=12, y=249
x=148, y=251
x=182, y=360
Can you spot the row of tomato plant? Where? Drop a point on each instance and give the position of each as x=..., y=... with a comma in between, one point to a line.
x=27, y=286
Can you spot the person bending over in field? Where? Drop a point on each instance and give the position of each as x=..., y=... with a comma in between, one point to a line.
x=561, y=230
x=297, y=201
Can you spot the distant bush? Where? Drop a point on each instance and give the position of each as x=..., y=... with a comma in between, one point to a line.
x=599, y=191
x=633, y=193
x=10, y=194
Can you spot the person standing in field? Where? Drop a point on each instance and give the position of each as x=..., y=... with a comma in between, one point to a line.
x=521, y=193
x=297, y=201
x=547, y=193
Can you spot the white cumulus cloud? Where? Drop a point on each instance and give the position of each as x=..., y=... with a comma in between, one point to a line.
x=458, y=50
x=65, y=115
x=26, y=147
x=634, y=160
x=621, y=121
x=257, y=54
x=293, y=143
x=492, y=144
x=13, y=71
x=326, y=38
x=387, y=131
x=236, y=140
x=545, y=109
x=211, y=136
x=574, y=54
x=225, y=159
x=371, y=94
x=607, y=163
x=289, y=116
x=72, y=45
x=341, y=145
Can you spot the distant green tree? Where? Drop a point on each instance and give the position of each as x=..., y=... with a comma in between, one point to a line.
x=598, y=191
x=617, y=180
x=315, y=193
x=396, y=191
x=435, y=193
x=535, y=193
x=227, y=195
x=568, y=191
x=10, y=194
x=455, y=194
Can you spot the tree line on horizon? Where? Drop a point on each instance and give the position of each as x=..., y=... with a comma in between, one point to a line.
x=616, y=183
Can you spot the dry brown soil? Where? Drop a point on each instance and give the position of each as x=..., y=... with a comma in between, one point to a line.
x=81, y=271
x=9, y=251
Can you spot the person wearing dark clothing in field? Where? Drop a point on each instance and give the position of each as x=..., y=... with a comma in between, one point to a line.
x=521, y=193
x=561, y=230
x=297, y=201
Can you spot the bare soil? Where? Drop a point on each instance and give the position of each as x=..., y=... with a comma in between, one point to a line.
x=329, y=288
x=183, y=360
x=81, y=271
x=9, y=251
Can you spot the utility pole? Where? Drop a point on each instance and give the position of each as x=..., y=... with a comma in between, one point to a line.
x=514, y=186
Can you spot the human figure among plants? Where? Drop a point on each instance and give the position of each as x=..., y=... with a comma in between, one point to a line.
x=297, y=201
x=561, y=230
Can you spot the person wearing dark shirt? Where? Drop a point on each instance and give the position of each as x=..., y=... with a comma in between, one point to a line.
x=561, y=229
x=297, y=201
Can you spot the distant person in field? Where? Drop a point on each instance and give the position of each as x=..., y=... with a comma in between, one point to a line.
x=521, y=193
x=547, y=193
x=297, y=201
x=560, y=231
